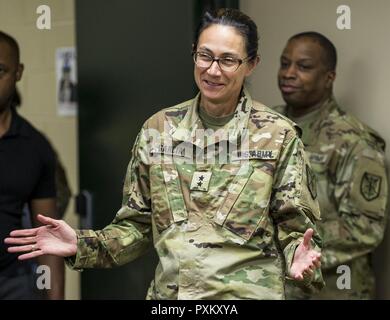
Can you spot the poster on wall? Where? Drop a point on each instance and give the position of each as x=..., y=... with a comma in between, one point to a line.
x=66, y=74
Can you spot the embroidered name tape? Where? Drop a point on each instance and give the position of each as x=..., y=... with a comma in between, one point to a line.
x=168, y=150
x=256, y=154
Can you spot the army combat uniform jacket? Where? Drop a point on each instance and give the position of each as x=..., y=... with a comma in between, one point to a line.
x=348, y=160
x=222, y=230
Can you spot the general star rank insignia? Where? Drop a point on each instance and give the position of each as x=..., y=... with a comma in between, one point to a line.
x=311, y=182
x=200, y=181
x=370, y=186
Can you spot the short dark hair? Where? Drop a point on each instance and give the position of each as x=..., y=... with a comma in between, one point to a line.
x=234, y=18
x=12, y=43
x=330, y=52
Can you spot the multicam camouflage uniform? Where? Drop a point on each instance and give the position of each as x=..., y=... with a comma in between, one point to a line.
x=348, y=160
x=221, y=230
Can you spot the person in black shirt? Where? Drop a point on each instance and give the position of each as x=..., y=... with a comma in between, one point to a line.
x=27, y=176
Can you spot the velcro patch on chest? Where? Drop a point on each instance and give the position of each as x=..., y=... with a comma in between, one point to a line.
x=170, y=151
x=200, y=181
x=262, y=154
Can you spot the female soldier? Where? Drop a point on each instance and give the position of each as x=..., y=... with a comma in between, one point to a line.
x=227, y=229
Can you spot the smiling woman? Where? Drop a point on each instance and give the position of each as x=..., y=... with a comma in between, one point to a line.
x=220, y=89
x=230, y=39
x=234, y=229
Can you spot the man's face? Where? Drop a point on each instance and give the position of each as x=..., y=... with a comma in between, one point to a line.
x=10, y=73
x=304, y=79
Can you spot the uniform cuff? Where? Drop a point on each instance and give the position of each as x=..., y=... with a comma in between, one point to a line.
x=289, y=252
x=87, y=251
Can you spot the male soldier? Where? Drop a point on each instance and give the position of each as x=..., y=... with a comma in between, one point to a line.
x=27, y=176
x=348, y=160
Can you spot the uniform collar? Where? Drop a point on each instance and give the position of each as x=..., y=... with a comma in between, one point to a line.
x=191, y=123
x=311, y=123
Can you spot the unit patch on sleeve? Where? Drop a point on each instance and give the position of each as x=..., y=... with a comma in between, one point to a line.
x=370, y=186
x=311, y=182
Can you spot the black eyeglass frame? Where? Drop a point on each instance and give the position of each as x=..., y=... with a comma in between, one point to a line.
x=240, y=61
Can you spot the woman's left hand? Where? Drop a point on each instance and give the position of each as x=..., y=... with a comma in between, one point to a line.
x=306, y=259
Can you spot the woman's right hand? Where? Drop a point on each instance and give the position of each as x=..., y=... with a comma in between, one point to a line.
x=55, y=237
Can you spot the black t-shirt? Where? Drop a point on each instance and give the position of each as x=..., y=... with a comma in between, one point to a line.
x=27, y=172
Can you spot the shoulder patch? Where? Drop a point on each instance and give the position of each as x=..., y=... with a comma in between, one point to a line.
x=370, y=186
x=311, y=182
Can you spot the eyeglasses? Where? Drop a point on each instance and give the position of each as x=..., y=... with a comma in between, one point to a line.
x=228, y=64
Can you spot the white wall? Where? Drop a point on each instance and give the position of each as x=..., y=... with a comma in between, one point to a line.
x=362, y=84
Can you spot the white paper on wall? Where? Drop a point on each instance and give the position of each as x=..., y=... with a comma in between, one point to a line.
x=66, y=74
